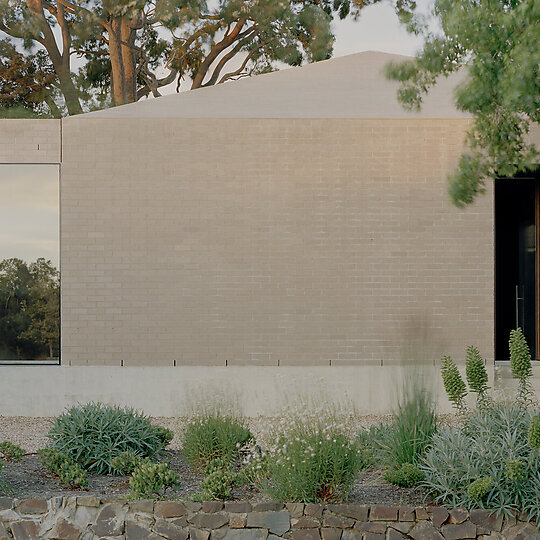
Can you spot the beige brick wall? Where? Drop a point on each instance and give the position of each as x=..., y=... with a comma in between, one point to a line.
x=29, y=141
x=254, y=241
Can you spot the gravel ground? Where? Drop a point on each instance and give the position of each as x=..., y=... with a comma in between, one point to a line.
x=28, y=479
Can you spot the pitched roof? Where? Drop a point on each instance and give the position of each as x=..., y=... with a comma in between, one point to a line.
x=352, y=86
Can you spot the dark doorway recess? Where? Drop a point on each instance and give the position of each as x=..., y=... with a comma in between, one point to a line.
x=517, y=212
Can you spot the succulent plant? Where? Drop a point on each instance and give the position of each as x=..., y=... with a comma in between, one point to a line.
x=534, y=432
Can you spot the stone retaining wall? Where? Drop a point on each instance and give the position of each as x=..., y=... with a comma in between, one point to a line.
x=90, y=518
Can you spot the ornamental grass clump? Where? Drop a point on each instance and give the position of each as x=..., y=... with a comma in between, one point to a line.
x=399, y=445
x=212, y=435
x=94, y=434
x=313, y=459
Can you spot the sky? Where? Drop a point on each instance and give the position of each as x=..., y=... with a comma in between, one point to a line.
x=29, y=194
x=29, y=212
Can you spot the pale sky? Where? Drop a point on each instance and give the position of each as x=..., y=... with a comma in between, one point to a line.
x=29, y=194
x=29, y=212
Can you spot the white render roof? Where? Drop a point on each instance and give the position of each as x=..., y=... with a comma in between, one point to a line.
x=352, y=86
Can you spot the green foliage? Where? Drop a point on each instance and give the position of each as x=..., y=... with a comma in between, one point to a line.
x=313, y=462
x=94, y=434
x=408, y=475
x=498, y=43
x=520, y=362
x=4, y=487
x=477, y=376
x=453, y=383
x=10, y=451
x=62, y=465
x=478, y=489
x=219, y=481
x=490, y=443
x=534, y=432
x=212, y=435
x=406, y=438
x=29, y=309
x=151, y=480
x=126, y=463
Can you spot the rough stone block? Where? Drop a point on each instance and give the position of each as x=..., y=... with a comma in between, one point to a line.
x=169, y=530
x=305, y=522
x=169, y=509
x=458, y=515
x=383, y=513
x=198, y=534
x=192, y=506
x=276, y=522
x=367, y=526
x=245, y=534
x=340, y=522
x=459, y=532
x=32, y=506
x=521, y=531
x=331, y=534
x=64, y=530
x=351, y=534
x=212, y=506
x=421, y=513
x=405, y=513
x=110, y=520
x=135, y=531
x=314, y=510
x=373, y=536
x=438, y=515
x=425, y=531
x=237, y=507
x=209, y=521
x=392, y=534
x=295, y=509
x=268, y=507
x=238, y=521
x=306, y=534
x=6, y=503
x=24, y=530
x=3, y=532
x=88, y=501
x=353, y=511
x=142, y=505
x=487, y=520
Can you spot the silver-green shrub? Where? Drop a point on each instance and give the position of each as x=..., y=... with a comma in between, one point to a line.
x=94, y=434
x=491, y=443
x=10, y=451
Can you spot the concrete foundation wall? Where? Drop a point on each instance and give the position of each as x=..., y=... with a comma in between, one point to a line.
x=269, y=241
x=256, y=391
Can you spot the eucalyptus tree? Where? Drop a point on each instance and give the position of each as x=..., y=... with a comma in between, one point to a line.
x=129, y=49
x=497, y=42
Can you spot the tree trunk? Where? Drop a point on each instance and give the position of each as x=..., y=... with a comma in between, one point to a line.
x=129, y=58
x=117, y=64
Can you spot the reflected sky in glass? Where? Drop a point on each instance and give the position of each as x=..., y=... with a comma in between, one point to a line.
x=29, y=212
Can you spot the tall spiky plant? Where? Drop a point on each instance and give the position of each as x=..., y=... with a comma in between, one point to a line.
x=453, y=383
x=520, y=362
x=477, y=377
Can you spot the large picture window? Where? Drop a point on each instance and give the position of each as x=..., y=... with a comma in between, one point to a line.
x=29, y=264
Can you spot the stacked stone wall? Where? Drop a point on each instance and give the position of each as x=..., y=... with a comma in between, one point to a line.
x=91, y=518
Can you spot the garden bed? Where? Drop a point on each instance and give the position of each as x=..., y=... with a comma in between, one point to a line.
x=28, y=479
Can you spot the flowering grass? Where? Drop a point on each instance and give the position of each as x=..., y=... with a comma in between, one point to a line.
x=313, y=459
